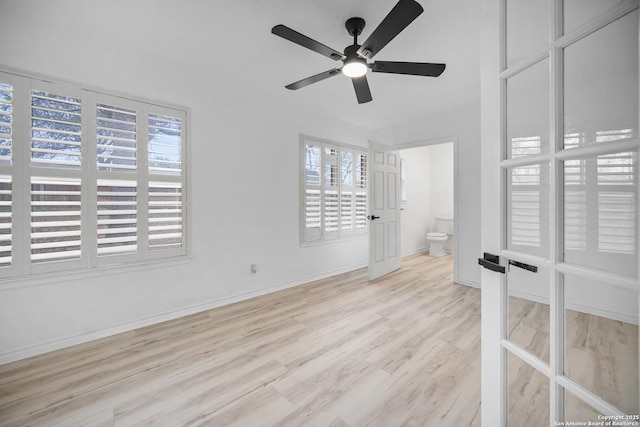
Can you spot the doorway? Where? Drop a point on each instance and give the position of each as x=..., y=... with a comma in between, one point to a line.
x=428, y=176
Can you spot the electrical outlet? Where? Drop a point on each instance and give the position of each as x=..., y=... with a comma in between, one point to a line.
x=254, y=268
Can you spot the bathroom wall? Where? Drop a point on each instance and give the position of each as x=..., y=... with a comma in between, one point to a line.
x=417, y=208
x=429, y=190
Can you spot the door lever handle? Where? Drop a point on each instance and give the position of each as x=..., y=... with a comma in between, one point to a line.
x=491, y=262
x=372, y=217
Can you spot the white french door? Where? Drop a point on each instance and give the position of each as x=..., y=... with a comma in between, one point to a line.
x=560, y=208
x=384, y=210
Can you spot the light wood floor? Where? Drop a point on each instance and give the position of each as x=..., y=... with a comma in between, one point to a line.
x=403, y=350
x=601, y=355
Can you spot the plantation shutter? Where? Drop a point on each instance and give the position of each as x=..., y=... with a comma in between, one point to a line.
x=117, y=214
x=166, y=201
x=347, y=193
x=331, y=193
x=7, y=106
x=6, y=122
x=56, y=139
x=116, y=140
x=525, y=208
x=575, y=205
x=361, y=193
x=616, y=203
x=55, y=183
x=87, y=179
x=312, y=198
x=165, y=145
x=56, y=213
x=334, y=191
x=117, y=184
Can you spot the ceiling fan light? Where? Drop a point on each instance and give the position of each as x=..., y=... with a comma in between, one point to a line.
x=354, y=68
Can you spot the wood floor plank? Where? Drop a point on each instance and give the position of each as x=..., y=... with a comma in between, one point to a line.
x=341, y=351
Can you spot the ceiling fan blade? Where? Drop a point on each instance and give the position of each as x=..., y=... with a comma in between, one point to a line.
x=413, y=68
x=397, y=20
x=313, y=79
x=302, y=40
x=361, y=86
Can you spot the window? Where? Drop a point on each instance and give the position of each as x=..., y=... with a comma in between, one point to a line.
x=87, y=179
x=334, y=191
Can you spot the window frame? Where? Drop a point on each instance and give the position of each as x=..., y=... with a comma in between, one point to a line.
x=23, y=270
x=323, y=235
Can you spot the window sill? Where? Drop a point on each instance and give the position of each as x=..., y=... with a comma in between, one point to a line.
x=71, y=275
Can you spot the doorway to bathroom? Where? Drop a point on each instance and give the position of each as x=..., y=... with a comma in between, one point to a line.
x=428, y=196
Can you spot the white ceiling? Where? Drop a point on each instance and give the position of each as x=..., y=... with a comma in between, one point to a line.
x=229, y=45
x=235, y=43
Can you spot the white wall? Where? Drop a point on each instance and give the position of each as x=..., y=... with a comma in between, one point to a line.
x=244, y=195
x=430, y=193
x=463, y=126
x=244, y=153
x=417, y=208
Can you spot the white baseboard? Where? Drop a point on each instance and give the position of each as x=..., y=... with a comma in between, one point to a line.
x=46, y=347
x=468, y=283
x=414, y=252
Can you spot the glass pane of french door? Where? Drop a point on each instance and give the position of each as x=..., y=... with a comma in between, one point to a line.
x=601, y=85
x=601, y=340
x=527, y=28
x=528, y=111
x=528, y=319
x=527, y=395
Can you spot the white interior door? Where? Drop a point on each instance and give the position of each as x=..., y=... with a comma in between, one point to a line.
x=384, y=210
x=560, y=208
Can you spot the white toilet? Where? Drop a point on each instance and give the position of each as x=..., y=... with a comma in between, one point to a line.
x=438, y=239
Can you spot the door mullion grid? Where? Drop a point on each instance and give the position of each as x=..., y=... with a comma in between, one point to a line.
x=556, y=214
x=504, y=297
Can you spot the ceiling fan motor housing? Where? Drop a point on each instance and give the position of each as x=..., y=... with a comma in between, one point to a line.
x=352, y=51
x=354, y=26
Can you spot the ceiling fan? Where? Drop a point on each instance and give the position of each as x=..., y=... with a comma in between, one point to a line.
x=355, y=56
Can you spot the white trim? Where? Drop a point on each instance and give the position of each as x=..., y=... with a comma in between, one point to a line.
x=51, y=278
x=527, y=62
x=597, y=23
x=526, y=258
x=612, y=279
x=150, y=320
x=588, y=397
x=593, y=150
x=540, y=365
